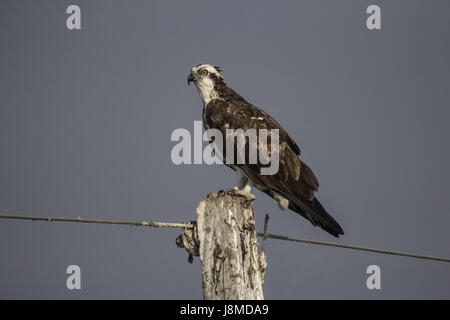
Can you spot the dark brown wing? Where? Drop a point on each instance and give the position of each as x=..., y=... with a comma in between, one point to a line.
x=290, y=178
x=294, y=179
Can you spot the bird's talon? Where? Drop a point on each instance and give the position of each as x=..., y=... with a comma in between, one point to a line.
x=244, y=193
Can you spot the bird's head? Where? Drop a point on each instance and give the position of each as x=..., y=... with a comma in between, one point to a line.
x=206, y=77
x=204, y=73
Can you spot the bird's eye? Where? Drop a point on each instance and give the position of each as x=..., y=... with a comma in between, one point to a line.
x=204, y=72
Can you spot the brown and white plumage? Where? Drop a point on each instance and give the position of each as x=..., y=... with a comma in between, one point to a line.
x=294, y=185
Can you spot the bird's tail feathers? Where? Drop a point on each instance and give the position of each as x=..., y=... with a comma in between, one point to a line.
x=317, y=215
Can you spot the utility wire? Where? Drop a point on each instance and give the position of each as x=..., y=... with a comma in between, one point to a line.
x=157, y=224
x=346, y=246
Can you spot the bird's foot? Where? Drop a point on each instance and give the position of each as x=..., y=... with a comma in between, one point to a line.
x=244, y=193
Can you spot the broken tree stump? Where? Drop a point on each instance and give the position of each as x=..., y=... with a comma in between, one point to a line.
x=225, y=239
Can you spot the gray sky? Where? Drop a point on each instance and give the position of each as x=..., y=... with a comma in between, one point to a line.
x=86, y=118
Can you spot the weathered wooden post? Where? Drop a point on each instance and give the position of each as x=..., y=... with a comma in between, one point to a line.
x=225, y=239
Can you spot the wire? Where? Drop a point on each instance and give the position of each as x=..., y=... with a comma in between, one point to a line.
x=157, y=224
x=346, y=246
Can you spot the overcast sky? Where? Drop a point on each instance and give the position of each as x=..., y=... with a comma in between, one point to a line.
x=86, y=117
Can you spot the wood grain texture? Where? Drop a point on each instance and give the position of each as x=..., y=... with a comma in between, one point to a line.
x=231, y=266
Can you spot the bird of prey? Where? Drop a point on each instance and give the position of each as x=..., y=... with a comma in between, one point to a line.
x=294, y=185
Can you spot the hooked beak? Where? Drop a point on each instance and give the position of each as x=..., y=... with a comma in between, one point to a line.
x=191, y=78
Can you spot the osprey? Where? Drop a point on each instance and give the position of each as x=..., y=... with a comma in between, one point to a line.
x=294, y=184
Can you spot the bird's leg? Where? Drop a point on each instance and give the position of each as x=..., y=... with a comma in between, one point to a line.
x=248, y=186
x=242, y=180
x=244, y=185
